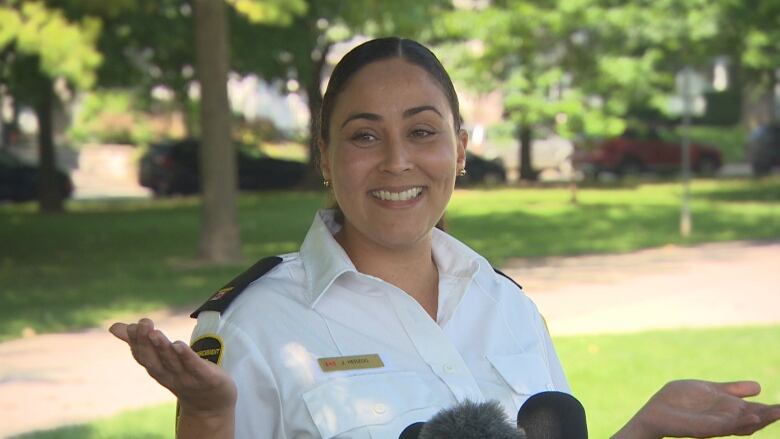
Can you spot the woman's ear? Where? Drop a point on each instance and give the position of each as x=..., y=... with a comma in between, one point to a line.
x=463, y=141
x=324, y=160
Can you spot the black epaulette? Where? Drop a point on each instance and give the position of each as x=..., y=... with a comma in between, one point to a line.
x=502, y=274
x=220, y=300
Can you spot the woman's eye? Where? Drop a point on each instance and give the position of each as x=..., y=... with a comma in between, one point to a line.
x=363, y=137
x=421, y=133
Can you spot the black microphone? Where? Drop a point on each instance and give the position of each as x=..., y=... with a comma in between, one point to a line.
x=552, y=415
x=468, y=420
x=412, y=431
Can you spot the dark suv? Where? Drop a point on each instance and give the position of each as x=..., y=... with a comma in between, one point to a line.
x=19, y=180
x=172, y=168
x=763, y=148
x=640, y=150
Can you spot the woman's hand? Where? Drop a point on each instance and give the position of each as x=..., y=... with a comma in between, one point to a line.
x=203, y=388
x=693, y=408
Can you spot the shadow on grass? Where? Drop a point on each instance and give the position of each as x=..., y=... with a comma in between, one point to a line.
x=602, y=227
x=766, y=190
x=65, y=272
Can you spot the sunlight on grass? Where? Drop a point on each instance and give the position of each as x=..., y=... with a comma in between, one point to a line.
x=614, y=375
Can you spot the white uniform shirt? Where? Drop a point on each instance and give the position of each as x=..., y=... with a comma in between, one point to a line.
x=488, y=343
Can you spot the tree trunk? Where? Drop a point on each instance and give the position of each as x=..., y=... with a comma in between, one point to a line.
x=525, y=134
x=219, y=237
x=49, y=194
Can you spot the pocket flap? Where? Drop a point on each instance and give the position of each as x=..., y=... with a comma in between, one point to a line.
x=345, y=403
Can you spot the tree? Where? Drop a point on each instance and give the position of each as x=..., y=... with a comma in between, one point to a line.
x=531, y=50
x=150, y=43
x=748, y=33
x=220, y=240
x=583, y=66
x=38, y=45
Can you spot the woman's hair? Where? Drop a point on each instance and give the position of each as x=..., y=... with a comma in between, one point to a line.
x=378, y=50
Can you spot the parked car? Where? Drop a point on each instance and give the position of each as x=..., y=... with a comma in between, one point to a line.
x=173, y=168
x=19, y=180
x=763, y=148
x=480, y=170
x=642, y=150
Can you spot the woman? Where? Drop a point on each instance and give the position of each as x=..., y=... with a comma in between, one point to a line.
x=381, y=319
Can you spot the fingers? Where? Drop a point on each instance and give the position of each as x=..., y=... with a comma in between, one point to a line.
x=190, y=360
x=164, y=349
x=741, y=389
x=119, y=330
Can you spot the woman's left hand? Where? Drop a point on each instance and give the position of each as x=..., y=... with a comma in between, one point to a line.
x=694, y=408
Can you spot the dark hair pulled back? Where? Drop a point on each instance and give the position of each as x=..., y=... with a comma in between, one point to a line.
x=377, y=50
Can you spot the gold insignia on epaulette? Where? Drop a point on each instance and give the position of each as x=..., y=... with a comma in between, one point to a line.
x=221, y=293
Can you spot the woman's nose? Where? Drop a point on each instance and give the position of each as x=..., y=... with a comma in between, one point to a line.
x=397, y=157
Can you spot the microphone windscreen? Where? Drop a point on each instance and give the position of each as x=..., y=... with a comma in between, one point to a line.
x=412, y=431
x=552, y=415
x=471, y=420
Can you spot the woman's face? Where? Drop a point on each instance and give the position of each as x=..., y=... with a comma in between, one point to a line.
x=393, y=153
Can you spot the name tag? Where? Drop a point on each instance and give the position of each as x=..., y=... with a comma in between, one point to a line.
x=353, y=362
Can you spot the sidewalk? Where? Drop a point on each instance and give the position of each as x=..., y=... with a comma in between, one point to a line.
x=51, y=380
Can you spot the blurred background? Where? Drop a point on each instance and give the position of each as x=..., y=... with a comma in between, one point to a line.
x=149, y=150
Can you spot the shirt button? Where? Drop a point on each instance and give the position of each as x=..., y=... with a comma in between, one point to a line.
x=379, y=409
x=449, y=368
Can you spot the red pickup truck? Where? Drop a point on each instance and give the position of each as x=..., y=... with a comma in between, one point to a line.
x=637, y=151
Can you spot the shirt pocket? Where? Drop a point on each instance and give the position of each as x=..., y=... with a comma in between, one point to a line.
x=524, y=374
x=346, y=403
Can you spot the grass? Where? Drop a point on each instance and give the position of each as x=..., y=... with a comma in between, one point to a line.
x=613, y=376
x=106, y=260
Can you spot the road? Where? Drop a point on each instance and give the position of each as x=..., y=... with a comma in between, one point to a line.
x=52, y=380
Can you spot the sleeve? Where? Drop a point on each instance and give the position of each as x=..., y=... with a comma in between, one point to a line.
x=539, y=327
x=554, y=364
x=258, y=410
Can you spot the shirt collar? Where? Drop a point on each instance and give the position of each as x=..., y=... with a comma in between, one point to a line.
x=325, y=260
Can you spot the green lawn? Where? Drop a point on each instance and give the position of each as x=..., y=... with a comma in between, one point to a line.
x=613, y=375
x=105, y=260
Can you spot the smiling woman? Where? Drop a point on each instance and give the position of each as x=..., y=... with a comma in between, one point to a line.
x=380, y=320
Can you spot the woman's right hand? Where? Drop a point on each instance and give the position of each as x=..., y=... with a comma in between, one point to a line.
x=202, y=387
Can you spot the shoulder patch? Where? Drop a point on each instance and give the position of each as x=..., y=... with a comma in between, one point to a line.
x=209, y=347
x=220, y=300
x=503, y=274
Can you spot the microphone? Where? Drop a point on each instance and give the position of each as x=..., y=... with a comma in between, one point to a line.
x=468, y=420
x=412, y=431
x=552, y=415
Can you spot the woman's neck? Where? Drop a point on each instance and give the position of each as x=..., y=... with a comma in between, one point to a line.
x=410, y=268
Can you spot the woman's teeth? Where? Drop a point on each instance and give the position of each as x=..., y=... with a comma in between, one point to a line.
x=397, y=196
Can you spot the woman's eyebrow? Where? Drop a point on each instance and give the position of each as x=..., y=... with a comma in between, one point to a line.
x=368, y=116
x=415, y=110
x=375, y=117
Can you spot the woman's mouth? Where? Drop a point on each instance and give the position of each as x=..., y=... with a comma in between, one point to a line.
x=392, y=195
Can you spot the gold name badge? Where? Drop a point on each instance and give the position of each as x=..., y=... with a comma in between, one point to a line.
x=353, y=362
